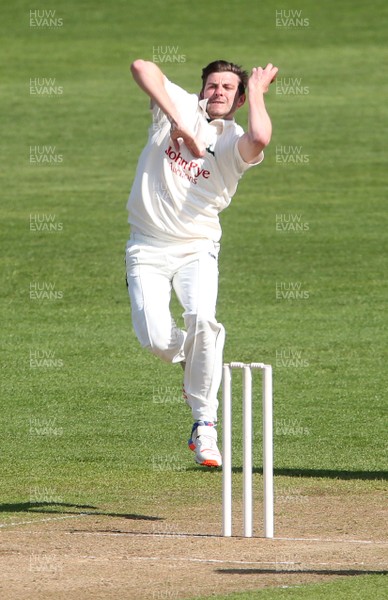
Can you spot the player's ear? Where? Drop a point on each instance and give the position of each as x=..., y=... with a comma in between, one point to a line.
x=201, y=94
x=241, y=100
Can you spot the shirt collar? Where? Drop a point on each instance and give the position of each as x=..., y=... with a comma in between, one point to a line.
x=219, y=124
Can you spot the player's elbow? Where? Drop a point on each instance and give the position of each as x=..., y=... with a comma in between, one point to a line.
x=261, y=140
x=137, y=66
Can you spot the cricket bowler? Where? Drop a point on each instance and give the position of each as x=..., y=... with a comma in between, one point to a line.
x=186, y=175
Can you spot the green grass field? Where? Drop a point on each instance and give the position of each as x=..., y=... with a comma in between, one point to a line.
x=357, y=588
x=85, y=410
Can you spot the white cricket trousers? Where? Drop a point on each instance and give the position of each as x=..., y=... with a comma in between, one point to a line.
x=154, y=268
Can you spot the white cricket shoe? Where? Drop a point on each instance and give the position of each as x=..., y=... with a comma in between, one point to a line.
x=203, y=442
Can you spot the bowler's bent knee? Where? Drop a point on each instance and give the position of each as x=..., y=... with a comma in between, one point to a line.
x=167, y=346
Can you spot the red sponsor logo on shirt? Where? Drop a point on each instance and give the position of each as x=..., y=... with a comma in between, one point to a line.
x=193, y=168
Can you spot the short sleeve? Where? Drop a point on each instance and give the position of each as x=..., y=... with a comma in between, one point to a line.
x=229, y=159
x=186, y=103
x=241, y=165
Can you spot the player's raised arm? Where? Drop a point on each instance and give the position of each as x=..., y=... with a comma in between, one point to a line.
x=259, y=131
x=150, y=79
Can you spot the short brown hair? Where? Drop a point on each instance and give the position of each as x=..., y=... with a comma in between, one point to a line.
x=221, y=66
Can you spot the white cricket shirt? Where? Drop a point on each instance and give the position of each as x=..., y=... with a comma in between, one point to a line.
x=176, y=197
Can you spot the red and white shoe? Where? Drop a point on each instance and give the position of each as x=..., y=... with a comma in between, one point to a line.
x=203, y=442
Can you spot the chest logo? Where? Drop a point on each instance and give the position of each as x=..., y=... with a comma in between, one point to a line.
x=184, y=168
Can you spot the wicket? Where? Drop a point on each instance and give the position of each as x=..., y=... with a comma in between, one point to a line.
x=247, y=448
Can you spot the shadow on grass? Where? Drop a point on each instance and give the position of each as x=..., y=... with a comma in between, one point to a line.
x=318, y=473
x=325, y=473
x=64, y=508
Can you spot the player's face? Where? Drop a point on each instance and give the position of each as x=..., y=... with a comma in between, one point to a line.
x=221, y=91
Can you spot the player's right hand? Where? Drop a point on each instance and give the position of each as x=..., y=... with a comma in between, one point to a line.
x=180, y=134
x=260, y=79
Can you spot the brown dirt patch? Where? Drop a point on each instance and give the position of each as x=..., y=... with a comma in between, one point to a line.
x=179, y=554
